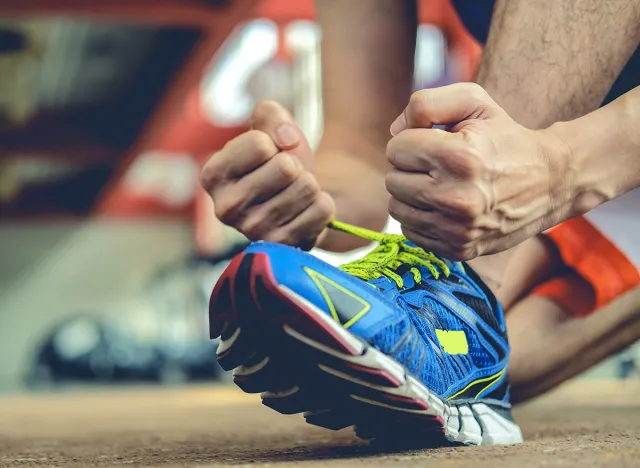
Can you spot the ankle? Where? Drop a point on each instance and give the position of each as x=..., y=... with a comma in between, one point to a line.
x=491, y=269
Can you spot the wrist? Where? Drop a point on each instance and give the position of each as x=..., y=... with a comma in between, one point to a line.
x=563, y=169
x=361, y=200
x=601, y=153
x=588, y=169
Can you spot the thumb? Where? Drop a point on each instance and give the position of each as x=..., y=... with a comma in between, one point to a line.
x=447, y=105
x=273, y=119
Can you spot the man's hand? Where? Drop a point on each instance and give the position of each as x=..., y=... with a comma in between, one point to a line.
x=481, y=187
x=262, y=182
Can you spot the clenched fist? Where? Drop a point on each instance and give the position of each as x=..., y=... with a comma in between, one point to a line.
x=482, y=185
x=262, y=182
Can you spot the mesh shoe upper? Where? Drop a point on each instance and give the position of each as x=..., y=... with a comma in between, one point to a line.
x=434, y=317
x=454, y=336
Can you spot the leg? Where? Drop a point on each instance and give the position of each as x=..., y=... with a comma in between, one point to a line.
x=549, y=345
x=554, y=333
x=541, y=261
x=504, y=274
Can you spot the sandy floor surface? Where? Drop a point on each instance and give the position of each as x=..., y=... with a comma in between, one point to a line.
x=584, y=423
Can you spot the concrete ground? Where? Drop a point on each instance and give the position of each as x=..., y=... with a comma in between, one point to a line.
x=585, y=423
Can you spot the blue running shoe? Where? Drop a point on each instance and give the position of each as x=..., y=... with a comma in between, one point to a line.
x=401, y=344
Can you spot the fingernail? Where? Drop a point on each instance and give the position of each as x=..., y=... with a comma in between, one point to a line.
x=286, y=135
x=398, y=125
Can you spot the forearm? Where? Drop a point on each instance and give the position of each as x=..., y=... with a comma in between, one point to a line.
x=547, y=61
x=367, y=53
x=345, y=169
x=554, y=60
x=603, y=152
x=367, y=76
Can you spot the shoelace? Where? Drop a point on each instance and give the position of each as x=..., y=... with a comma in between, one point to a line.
x=388, y=256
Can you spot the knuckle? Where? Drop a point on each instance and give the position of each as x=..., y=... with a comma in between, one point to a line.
x=468, y=252
x=209, y=174
x=261, y=145
x=264, y=109
x=227, y=209
x=278, y=211
x=424, y=195
x=280, y=236
x=253, y=228
x=405, y=143
x=467, y=162
x=455, y=256
x=397, y=183
x=464, y=251
x=418, y=99
x=326, y=206
x=475, y=92
x=468, y=235
x=413, y=237
x=460, y=233
x=403, y=213
x=391, y=149
x=287, y=166
x=453, y=253
x=465, y=204
x=390, y=181
x=394, y=209
x=308, y=186
x=419, y=104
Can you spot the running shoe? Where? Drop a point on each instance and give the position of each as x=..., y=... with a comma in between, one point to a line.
x=402, y=344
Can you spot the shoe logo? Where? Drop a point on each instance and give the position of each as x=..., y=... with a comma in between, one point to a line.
x=478, y=387
x=453, y=341
x=345, y=306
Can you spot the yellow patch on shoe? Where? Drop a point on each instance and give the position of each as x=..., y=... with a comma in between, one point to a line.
x=453, y=341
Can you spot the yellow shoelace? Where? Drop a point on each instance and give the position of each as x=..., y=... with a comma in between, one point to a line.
x=388, y=256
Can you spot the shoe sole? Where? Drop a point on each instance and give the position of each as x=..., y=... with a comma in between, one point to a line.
x=301, y=361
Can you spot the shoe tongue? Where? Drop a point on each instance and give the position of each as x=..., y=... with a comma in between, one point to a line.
x=403, y=269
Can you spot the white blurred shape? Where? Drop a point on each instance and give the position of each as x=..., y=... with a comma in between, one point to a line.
x=76, y=338
x=224, y=89
x=430, y=56
x=339, y=258
x=170, y=177
x=302, y=35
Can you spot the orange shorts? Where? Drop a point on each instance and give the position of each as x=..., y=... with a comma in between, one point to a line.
x=586, y=250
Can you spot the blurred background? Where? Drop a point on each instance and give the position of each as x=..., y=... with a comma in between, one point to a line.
x=108, y=108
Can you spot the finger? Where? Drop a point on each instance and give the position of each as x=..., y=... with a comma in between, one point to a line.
x=445, y=105
x=282, y=208
x=458, y=200
x=423, y=150
x=238, y=157
x=439, y=247
x=273, y=119
x=269, y=179
x=292, y=201
x=233, y=199
x=412, y=188
x=433, y=224
x=412, y=217
x=424, y=240
x=305, y=228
